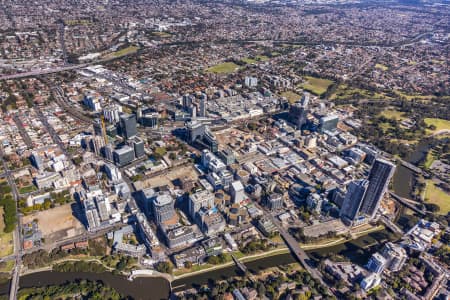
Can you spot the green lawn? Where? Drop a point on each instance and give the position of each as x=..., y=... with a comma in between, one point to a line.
x=345, y=92
x=440, y=124
x=7, y=266
x=291, y=96
x=223, y=68
x=429, y=159
x=434, y=194
x=27, y=189
x=315, y=85
x=262, y=58
x=393, y=114
x=412, y=96
x=249, y=60
x=381, y=67
x=6, y=239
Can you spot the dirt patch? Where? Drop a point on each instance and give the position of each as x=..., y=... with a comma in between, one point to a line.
x=58, y=223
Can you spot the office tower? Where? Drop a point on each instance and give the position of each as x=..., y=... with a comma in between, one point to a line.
x=202, y=107
x=123, y=156
x=163, y=207
x=36, y=160
x=328, y=123
x=112, y=172
x=187, y=101
x=109, y=152
x=298, y=111
x=198, y=200
x=92, y=218
x=195, y=130
x=104, y=207
x=128, y=125
x=210, y=140
x=138, y=146
x=149, y=119
x=98, y=128
x=97, y=144
x=237, y=192
x=193, y=111
x=353, y=200
x=379, y=177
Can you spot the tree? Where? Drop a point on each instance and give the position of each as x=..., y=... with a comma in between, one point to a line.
x=164, y=267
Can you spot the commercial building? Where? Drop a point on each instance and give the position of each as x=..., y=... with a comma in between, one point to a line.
x=138, y=146
x=179, y=236
x=163, y=207
x=104, y=207
x=274, y=201
x=376, y=263
x=237, y=192
x=198, y=200
x=328, y=123
x=353, y=200
x=91, y=213
x=128, y=125
x=395, y=256
x=123, y=156
x=298, y=111
x=379, y=177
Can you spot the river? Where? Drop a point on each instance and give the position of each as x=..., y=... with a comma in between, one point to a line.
x=404, y=178
x=358, y=251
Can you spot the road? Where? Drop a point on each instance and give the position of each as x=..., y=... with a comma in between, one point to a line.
x=298, y=252
x=23, y=133
x=406, y=203
x=17, y=232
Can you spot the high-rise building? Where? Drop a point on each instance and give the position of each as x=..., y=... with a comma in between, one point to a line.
x=138, y=146
x=104, y=207
x=379, y=177
x=163, y=207
x=187, y=101
x=111, y=113
x=123, y=156
x=251, y=81
x=149, y=119
x=98, y=128
x=198, y=200
x=128, y=125
x=195, y=130
x=328, y=123
x=298, y=111
x=395, y=256
x=376, y=263
x=92, y=217
x=237, y=192
x=353, y=200
x=202, y=106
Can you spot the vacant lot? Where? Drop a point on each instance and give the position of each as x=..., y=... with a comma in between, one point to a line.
x=168, y=178
x=315, y=85
x=440, y=124
x=434, y=194
x=58, y=223
x=223, y=68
